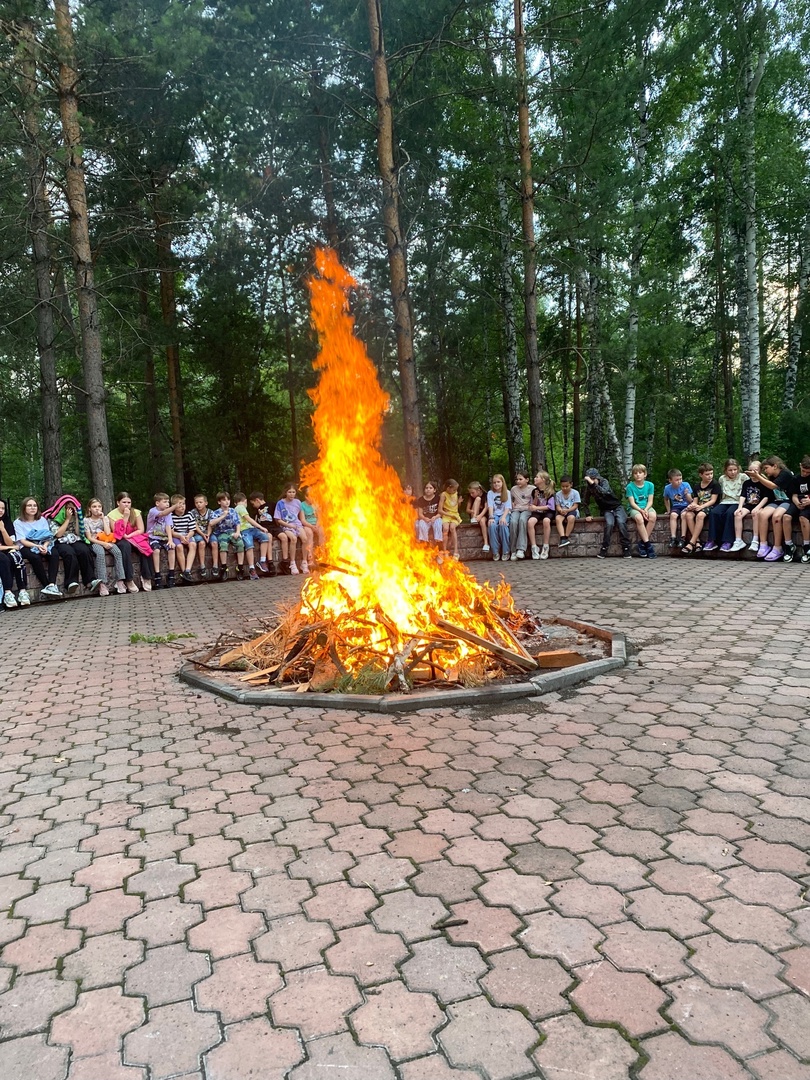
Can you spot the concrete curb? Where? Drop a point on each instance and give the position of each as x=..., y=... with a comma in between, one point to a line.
x=394, y=703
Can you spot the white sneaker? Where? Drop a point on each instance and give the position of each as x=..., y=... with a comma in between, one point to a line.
x=305, y=567
x=495, y=558
x=9, y=601
x=121, y=588
x=103, y=590
x=738, y=545
x=544, y=552
x=754, y=545
x=293, y=568
x=513, y=557
x=73, y=588
x=146, y=584
x=473, y=521
x=53, y=591
x=23, y=599
x=535, y=551
x=485, y=548
x=521, y=554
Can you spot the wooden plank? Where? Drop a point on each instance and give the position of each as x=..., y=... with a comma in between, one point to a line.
x=500, y=651
x=511, y=638
x=559, y=658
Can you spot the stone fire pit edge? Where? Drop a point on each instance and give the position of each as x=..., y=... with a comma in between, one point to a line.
x=393, y=703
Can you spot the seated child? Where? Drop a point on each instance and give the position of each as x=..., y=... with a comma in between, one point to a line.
x=753, y=497
x=499, y=506
x=183, y=529
x=99, y=532
x=225, y=530
x=640, y=493
x=252, y=532
x=263, y=513
x=777, y=478
x=566, y=504
x=290, y=516
x=477, y=509
x=521, y=496
x=200, y=536
x=800, y=510
x=542, y=511
x=311, y=518
x=450, y=517
x=159, y=532
x=611, y=509
x=12, y=567
x=706, y=494
x=677, y=496
x=428, y=521
x=721, y=519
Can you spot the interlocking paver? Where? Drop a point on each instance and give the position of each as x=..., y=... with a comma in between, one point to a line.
x=294, y=942
x=737, y=965
x=341, y=904
x=238, y=988
x=750, y=922
x=162, y=922
x=630, y=999
x=344, y=1057
x=315, y=1002
x=573, y=941
x=166, y=974
x=400, y=1020
x=673, y=1058
x=31, y=1002
x=368, y=954
x=97, y=1022
x=226, y=931
x=253, y=1049
x=30, y=1056
x=572, y=1049
x=535, y=985
x=792, y=1023
x=658, y=954
x=496, y=1040
x=41, y=948
x=172, y=1040
x=450, y=972
x=709, y=1015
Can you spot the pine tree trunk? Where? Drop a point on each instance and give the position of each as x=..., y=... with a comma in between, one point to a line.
x=395, y=242
x=76, y=193
x=741, y=290
x=752, y=76
x=602, y=447
x=639, y=157
x=39, y=219
x=151, y=413
x=536, y=434
x=512, y=394
x=795, y=336
x=168, y=309
x=576, y=395
x=288, y=349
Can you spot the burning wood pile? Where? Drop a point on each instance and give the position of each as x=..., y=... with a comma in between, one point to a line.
x=382, y=612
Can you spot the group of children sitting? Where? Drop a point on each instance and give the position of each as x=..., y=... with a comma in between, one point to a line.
x=518, y=520
x=82, y=537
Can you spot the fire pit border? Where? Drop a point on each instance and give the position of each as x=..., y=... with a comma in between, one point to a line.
x=392, y=703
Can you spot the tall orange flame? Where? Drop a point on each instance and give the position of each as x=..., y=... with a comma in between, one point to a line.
x=397, y=585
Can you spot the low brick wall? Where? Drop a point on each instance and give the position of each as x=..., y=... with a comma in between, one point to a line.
x=586, y=540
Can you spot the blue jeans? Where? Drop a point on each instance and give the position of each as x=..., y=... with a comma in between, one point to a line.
x=499, y=537
x=252, y=535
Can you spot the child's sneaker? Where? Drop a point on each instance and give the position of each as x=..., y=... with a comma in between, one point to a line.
x=284, y=567
x=215, y=572
x=544, y=552
x=146, y=584
x=521, y=554
x=253, y=574
x=204, y=573
x=673, y=541
x=754, y=545
x=535, y=551
x=157, y=582
x=738, y=545
x=261, y=567
x=170, y=581
x=790, y=551
x=52, y=591
x=305, y=567
x=709, y=545
x=485, y=549
x=120, y=588
x=651, y=550
x=627, y=553
x=495, y=558
x=186, y=578
x=293, y=568
x=513, y=556
x=564, y=542
x=725, y=547
x=73, y=588
x=23, y=599
x=103, y=590
x=132, y=587
x=473, y=521
x=805, y=555
x=9, y=601
x=642, y=551
x=602, y=553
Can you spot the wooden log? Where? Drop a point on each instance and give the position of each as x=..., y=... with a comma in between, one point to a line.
x=515, y=658
x=559, y=658
x=512, y=639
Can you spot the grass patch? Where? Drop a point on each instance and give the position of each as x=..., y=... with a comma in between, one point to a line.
x=157, y=639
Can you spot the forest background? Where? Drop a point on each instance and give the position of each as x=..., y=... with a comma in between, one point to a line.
x=582, y=234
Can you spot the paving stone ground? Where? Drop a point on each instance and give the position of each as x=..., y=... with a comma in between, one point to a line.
x=604, y=884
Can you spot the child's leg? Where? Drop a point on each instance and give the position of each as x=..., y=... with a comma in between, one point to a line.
x=804, y=525
x=156, y=560
x=740, y=514
x=570, y=522
x=180, y=556
x=224, y=548
x=264, y=550
x=454, y=534
x=437, y=531
x=763, y=523
x=560, y=521
x=310, y=539
x=171, y=557
x=641, y=528
x=673, y=525
x=445, y=534
x=531, y=525
x=191, y=555
x=284, y=542
x=239, y=547
x=778, y=527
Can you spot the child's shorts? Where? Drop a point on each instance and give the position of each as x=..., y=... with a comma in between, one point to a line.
x=636, y=513
x=197, y=538
x=254, y=536
x=230, y=542
x=575, y=514
x=540, y=513
x=158, y=543
x=678, y=509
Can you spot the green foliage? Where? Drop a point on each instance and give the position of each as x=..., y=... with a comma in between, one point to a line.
x=157, y=639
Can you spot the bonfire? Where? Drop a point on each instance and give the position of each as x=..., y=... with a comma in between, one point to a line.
x=381, y=612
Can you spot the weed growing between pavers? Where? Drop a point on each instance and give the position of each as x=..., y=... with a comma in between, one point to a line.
x=158, y=639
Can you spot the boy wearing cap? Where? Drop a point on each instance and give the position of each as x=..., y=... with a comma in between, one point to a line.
x=610, y=507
